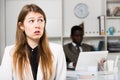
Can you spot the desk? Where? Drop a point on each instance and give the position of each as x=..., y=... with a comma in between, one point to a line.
x=108, y=76
x=75, y=75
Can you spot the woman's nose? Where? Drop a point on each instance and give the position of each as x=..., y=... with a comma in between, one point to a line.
x=37, y=25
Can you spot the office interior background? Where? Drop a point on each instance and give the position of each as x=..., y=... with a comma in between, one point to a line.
x=60, y=18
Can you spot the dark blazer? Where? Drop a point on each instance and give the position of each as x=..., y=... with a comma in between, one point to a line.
x=71, y=53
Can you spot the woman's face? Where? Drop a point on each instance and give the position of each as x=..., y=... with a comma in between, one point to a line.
x=33, y=26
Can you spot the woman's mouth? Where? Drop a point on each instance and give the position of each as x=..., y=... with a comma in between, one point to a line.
x=37, y=32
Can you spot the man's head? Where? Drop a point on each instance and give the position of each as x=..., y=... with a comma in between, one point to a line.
x=77, y=33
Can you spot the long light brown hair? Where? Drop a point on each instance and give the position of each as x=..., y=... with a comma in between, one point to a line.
x=21, y=53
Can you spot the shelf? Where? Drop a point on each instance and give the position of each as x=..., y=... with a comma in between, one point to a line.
x=113, y=36
x=95, y=36
x=113, y=17
x=113, y=1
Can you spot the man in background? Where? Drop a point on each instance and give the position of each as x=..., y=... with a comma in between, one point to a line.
x=73, y=49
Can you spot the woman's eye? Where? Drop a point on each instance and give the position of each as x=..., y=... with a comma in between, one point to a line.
x=31, y=21
x=41, y=20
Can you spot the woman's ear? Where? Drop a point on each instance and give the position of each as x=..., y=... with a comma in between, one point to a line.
x=21, y=26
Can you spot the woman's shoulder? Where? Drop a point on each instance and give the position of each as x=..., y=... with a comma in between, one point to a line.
x=56, y=48
x=9, y=46
x=9, y=49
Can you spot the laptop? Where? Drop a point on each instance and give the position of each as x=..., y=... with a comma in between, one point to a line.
x=89, y=60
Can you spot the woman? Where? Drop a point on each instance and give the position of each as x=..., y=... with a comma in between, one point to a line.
x=32, y=57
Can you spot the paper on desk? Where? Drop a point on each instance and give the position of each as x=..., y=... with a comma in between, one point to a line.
x=78, y=75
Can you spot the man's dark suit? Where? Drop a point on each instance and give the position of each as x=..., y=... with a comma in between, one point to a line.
x=71, y=51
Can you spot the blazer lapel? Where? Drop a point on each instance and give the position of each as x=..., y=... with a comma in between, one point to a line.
x=72, y=48
x=39, y=74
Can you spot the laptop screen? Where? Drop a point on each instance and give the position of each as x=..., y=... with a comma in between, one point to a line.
x=87, y=59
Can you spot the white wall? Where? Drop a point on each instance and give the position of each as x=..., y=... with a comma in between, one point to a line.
x=2, y=28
